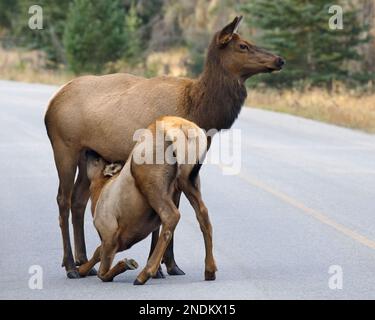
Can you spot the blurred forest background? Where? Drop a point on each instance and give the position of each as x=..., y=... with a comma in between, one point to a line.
x=329, y=74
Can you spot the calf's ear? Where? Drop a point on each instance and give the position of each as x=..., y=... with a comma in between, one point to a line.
x=111, y=169
x=226, y=35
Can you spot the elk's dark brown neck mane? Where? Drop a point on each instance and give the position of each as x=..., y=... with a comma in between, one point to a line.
x=216, y=97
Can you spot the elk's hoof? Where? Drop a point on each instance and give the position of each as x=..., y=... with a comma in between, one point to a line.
x=175, y=271
x=159, y=274
x=131, y=264
x=138, y=283
x=209, y=276
x=92, y=272
x=73, y=274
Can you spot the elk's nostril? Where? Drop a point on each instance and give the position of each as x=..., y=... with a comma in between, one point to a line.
x=280, y=62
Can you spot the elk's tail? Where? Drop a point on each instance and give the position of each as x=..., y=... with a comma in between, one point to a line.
x=189, y=143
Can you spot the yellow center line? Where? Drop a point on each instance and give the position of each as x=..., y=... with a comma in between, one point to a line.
x=308, y=211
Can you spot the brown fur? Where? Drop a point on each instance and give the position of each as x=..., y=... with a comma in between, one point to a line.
x=102, y=113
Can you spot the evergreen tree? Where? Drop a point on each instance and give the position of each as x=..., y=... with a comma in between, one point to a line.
x=299, y=31
x=132, y=34
x=7, y=8
x=94, y=34
x=149, y=13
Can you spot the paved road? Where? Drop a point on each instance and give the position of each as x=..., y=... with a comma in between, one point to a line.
x=304, y=200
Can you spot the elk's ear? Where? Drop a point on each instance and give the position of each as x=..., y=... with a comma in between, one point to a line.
x=111, y=169
x=227, y=33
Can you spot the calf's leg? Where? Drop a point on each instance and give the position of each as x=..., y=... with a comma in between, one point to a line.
x=107, y=253
x=169, y=216
x=154, y=239
x=85, y=268
x=168, y=258
x=192, y=192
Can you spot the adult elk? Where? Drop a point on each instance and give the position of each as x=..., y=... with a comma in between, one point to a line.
x=102, y=113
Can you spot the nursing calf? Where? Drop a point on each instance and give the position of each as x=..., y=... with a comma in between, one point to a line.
x=129, y=205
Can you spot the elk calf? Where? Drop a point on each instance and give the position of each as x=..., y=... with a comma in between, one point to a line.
x=142, y=197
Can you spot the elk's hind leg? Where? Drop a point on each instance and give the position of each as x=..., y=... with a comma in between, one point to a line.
x=162, y=179
x=154, y=240
x=192, y=192
x=168, y=258
x=66, y=163
x=169, y=216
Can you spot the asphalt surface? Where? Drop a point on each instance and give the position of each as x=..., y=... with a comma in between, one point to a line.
x=303, y=201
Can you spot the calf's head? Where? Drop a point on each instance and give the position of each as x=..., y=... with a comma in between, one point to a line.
x=95, y=166
x=98, y=168
x=240, y=57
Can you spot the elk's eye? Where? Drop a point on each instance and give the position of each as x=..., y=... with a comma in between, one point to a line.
x=244, y=47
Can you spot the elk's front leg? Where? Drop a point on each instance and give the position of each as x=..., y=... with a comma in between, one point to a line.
x=85, y=269
x=107, y=254
x=120, y=267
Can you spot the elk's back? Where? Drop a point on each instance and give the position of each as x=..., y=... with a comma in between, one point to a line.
x=103, y=112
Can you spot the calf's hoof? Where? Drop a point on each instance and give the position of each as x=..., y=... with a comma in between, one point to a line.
x=73, y=274
x=131, y=264
x=209, y=276
x=175, y=271
x=159, y=274
x=92, y=272
x=138, y=283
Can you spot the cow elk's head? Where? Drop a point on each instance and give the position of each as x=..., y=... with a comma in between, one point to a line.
x=243, y=58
